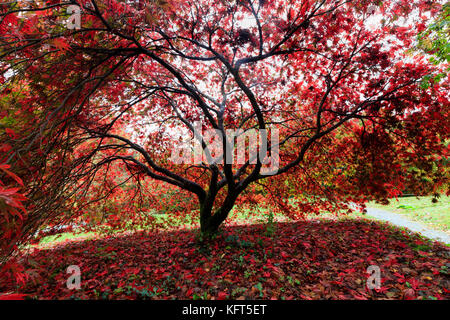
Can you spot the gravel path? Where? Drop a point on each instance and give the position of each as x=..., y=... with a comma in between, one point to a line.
x=398, y=220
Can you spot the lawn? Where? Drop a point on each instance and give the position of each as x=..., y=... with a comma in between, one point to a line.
x=421, y=209
x=259, y=255
x=317, y=259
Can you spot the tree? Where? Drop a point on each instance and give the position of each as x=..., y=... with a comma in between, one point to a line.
x=435, y=38
x=328, y=85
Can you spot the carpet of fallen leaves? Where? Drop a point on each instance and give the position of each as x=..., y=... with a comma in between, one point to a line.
x=302, y=260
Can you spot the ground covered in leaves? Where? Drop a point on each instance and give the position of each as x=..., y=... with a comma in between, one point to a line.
x=303, y=260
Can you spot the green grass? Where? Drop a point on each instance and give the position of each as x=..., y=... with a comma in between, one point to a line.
x=65, y=236
x=422, y=209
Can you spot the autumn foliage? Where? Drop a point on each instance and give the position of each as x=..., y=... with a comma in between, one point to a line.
x=306, y=260
x=87, y=114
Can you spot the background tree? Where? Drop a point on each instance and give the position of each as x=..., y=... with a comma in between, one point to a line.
x=98, y=104
x=435, y=38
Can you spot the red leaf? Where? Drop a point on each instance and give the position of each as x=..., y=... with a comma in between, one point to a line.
x=222, y=296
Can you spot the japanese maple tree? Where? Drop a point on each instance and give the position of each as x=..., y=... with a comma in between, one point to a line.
x=99, y=103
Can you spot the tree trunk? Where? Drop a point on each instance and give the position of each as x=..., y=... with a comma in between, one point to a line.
x=210, y=223
x=209, y=228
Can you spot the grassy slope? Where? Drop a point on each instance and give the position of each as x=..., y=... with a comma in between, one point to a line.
x=301, y=260
x=297, y=260
x=422, y=209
